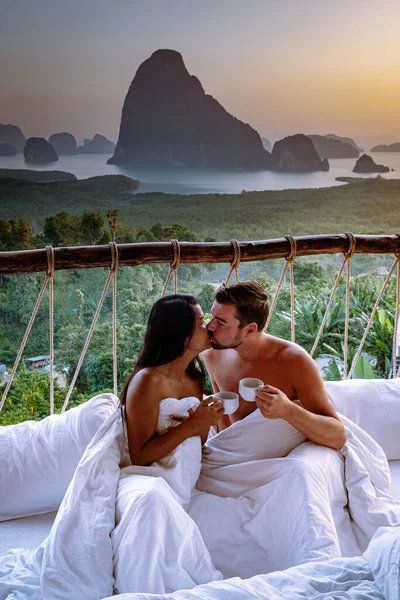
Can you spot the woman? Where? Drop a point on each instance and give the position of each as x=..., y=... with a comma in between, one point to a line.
x=157, y=547
x=168, y=367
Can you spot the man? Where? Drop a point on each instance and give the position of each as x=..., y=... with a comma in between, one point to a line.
x=240, y=348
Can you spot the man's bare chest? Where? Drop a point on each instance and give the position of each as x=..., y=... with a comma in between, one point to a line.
x=229, y=373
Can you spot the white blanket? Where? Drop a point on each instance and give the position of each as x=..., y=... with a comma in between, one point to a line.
x=126, y=529
x=374, y=576
x=259, y=514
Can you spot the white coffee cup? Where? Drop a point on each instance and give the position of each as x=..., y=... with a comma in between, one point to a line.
x=248, y=388
x=230, y=401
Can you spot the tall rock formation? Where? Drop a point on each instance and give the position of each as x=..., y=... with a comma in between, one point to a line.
x=10, y=134
x=7, y=149
x=38, y=150
x=366, y=164
x=63, y=143
x=297, y=153
x=168, y=119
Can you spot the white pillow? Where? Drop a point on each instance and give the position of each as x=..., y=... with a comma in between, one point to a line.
x=38, y=458
x=374, y=405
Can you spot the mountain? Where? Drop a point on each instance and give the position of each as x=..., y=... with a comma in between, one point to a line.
x=366, y=164
x=345, y=140
x=297, y=153
x=267, y=144
x=39, y=150
x=98, y=145
x=373, y=140
x=333, y=148
x=168, y=119
x=63, y=143
x=10, y=134
x=390, y=148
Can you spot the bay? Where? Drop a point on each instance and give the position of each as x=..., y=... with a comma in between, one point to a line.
x=179, y=180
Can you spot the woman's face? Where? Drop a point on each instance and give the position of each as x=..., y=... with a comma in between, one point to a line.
x=199, y=340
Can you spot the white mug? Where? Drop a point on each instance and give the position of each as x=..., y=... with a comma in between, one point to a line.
x=248, y=388
x=230, y=401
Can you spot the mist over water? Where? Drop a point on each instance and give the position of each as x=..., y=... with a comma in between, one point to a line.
x=193, y=181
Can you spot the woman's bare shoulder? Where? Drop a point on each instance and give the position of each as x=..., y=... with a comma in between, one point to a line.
x=147, y=382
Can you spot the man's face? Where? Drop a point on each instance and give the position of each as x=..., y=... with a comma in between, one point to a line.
x=224, y=328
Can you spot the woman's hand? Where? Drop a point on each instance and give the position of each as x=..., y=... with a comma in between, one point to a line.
x=207, y=414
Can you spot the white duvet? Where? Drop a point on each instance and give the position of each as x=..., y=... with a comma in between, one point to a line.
x=265, y=501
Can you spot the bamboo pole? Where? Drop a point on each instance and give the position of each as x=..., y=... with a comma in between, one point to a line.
x=90, y=257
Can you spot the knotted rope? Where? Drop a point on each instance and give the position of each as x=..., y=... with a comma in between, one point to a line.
x=48, y=278
x=173, y=267
x=235, y=264
x=113, y=272
x=291, y=257
x=346, y=261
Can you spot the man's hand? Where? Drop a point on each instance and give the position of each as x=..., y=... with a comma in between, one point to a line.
x=273, y=403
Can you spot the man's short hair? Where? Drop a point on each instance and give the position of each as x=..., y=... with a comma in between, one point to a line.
x=250, y=299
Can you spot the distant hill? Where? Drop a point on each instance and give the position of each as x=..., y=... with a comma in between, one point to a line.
x=346, y=140
x=98, y=145
x=32, y=175
x=382, y=148
x=267, y=144
x=333, y=148
x=168, y=119
x=11, y=134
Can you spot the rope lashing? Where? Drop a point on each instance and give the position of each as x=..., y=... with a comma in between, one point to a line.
x=371, y=319
x=173, y=267
x=48, y=278
x=235, y=264
x=346, y=260
x=113, y=271
x=114, y=268
x=291, y=257
x=396, y=318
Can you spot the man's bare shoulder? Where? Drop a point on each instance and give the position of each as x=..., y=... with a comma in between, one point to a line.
x=286, y=351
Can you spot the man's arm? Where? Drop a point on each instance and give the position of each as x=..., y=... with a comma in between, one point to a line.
x=316, y=418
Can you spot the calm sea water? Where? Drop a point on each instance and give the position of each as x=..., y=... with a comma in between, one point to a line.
x=191, y=181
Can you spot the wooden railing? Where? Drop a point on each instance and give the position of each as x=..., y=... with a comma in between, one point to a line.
x=90, y=257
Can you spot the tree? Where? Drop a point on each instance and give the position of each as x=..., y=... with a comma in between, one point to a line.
x=92, y=229
x=112, y=216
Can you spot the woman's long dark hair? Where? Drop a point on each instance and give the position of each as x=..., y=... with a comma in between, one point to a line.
x=170, y=326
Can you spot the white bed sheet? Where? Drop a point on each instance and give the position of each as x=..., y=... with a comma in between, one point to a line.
x=30, y=532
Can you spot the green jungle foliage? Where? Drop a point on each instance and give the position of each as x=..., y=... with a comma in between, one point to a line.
x=36, y=214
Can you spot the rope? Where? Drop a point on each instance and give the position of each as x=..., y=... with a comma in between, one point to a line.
x=112, y=273
x=114, y=268
x=347, y=257
x=173, y=267
x=289, y=262
x=290, y=259
x=235, y=264
x=49, y=277
x=396, y=319
x=371, y=319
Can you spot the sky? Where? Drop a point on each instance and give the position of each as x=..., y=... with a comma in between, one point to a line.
x=283, y=66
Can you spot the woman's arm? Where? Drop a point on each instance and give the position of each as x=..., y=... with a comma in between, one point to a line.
x=142, y=411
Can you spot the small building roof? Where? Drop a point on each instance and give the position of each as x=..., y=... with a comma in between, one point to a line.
x=37, y=358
